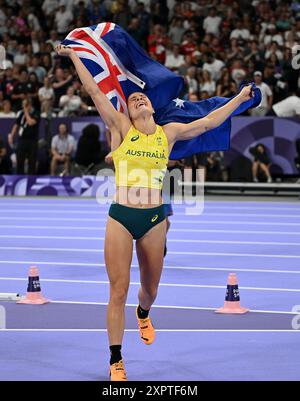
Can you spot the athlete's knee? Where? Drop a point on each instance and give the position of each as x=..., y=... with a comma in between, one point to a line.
x=118, y=294
x=150, y=292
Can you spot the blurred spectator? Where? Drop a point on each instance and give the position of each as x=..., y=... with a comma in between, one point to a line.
x=288, y=107
x=289, y=73
x=70, y=103
x=63, y=19
x=291, y=40
x=198, y=163
x=81, y=12
x=261, y=163
x=144, y=18
x=37, y=68
x=50, y=6
x=35, y=43
x=62, y=148
x=193, y=97
x=213, y=66
x=6, y=110
x=204, y=95
x=20, y=56
x=21, y=90
x=212, y=22
x=272, y=36
x=33, y=88
x=157, y=42
x=2, y=17
x=215, y=168
x=267, y=96
x=96, y=12
x=5, y=162
x=190, y=78
x=238, y=72
x=20, y=23
x=206, y=83
x=53, y=40
x=176, y=31
x=224, y=84
x=235, y=51
x=122, y=15
x=27, y=128
x=188, y=62
x=135, y=31
x=240, y=32
x=273, y=49
x=46, y=97
x=47, y=62
x=62, y=80
x=254, y=54
x=89, y=151
x=174, y=59
x=189, y=45
x=7, y=83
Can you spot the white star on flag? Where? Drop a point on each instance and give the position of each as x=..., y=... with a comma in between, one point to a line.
x=179, y=102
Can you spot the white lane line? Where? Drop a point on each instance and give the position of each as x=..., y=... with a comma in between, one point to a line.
x=157, y=330
x=174, y=221
x=104, y=282
x=192, y=230
x=215, y=254
x=97, y=265
x=293, y=206
x=275, y=312
x=104, y=212
x=196, y=230
x=198, y=241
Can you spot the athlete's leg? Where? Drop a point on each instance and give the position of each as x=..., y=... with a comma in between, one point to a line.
x=118, y=256
x=150, y=253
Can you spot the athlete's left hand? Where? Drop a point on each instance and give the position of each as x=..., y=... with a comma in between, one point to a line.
x=63, y=50
x=108, y=158
x=246, y=93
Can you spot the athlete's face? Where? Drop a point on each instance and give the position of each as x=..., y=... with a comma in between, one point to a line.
x=138, y=104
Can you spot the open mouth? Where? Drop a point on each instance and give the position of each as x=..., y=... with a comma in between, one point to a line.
x=140, y=105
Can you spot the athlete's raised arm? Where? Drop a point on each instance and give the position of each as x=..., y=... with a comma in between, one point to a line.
x=112, y=118
x=181, y=132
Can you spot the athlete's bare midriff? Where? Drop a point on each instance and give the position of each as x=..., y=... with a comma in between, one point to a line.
x=138, y=197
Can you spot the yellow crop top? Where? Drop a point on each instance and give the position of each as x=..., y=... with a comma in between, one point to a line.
x=141, y=160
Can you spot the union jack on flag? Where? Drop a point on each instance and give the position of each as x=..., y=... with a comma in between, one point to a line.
x=92, y=50
x=120, y=67
x=106, y=50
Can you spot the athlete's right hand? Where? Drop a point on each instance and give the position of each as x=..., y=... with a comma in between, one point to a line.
x=63, y=50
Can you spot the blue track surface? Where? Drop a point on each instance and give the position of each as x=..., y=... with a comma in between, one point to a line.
x=260, y=241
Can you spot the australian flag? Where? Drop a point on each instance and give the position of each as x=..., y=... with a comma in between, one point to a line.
x=120, y=67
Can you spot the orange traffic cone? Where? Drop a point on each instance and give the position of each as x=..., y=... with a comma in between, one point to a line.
x=232, y=298
x=34, y=295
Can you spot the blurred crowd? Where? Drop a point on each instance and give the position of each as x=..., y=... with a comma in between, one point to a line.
x=216, y=45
